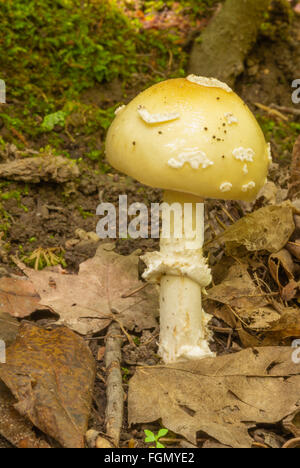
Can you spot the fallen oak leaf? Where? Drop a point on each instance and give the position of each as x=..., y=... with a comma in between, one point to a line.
x=51, y=374
x=222, y=397
x=89, y=301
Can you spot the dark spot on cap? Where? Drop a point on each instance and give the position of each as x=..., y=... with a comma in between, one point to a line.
x=214, y=137
x=218, y=98
x=219, y=139
x=223, y=156
x=205, y=128
x=160, y=133
x=134, y=143
x=224, y=124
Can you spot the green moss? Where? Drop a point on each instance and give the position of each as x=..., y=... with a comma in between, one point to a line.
x=284, y=134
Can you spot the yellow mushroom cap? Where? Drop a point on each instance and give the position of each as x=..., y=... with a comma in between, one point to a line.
x=192, y=135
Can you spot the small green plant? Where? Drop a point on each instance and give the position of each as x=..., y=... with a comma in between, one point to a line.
x=136, y=341
x=42, y=258
x=51, y=120
x=125, y=374
x=84, y=214
x=152, y=438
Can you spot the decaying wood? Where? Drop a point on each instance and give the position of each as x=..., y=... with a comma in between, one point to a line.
x=34, y=170
x=114, y=387
x=294, y=185
x=228, y=39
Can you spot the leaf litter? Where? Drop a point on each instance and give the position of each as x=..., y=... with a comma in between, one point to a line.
x=51, y=375
x=223, y=397
x=106, y=287
x=228, y=396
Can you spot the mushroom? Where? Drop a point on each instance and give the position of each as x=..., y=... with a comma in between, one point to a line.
x=196, y=139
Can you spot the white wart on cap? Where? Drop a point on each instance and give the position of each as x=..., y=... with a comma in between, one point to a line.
x=192, y=135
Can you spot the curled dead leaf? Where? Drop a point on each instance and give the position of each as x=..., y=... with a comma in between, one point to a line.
x=281, y=264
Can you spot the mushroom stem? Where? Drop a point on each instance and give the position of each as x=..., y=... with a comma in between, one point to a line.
x=183, y=273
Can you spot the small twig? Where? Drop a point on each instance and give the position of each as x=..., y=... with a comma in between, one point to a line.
x=237, y=316
x=227, y=331
x=294, y=243
x=129, y=338
x=229, y=340
x=114, y=385
x=151, y=339
x=223, y=226
x=18, y=135
x=228, y=214
x=260, y=445
x=288, y=110
x=272, y=112
x=126, y=295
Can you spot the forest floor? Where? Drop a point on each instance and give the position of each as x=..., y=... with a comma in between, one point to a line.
x=44, y=116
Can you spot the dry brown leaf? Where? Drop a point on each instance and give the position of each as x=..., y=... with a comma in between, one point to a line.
x=14, y=427
x=221, y=312
x=86, y=302
x=249, y=340
x=271, y=194
x=238, y=289
x=258, y=318
x=211, y=444
x=281, y=262
x=294, y=247
x=18, y=297
x=268, y=228
x=222, y=397
x=290, y=291
x=268, y=438
x=51, y=374
x=286, y=326
x=292, y=423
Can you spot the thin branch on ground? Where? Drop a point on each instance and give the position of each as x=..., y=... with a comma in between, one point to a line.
x=114, y=384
